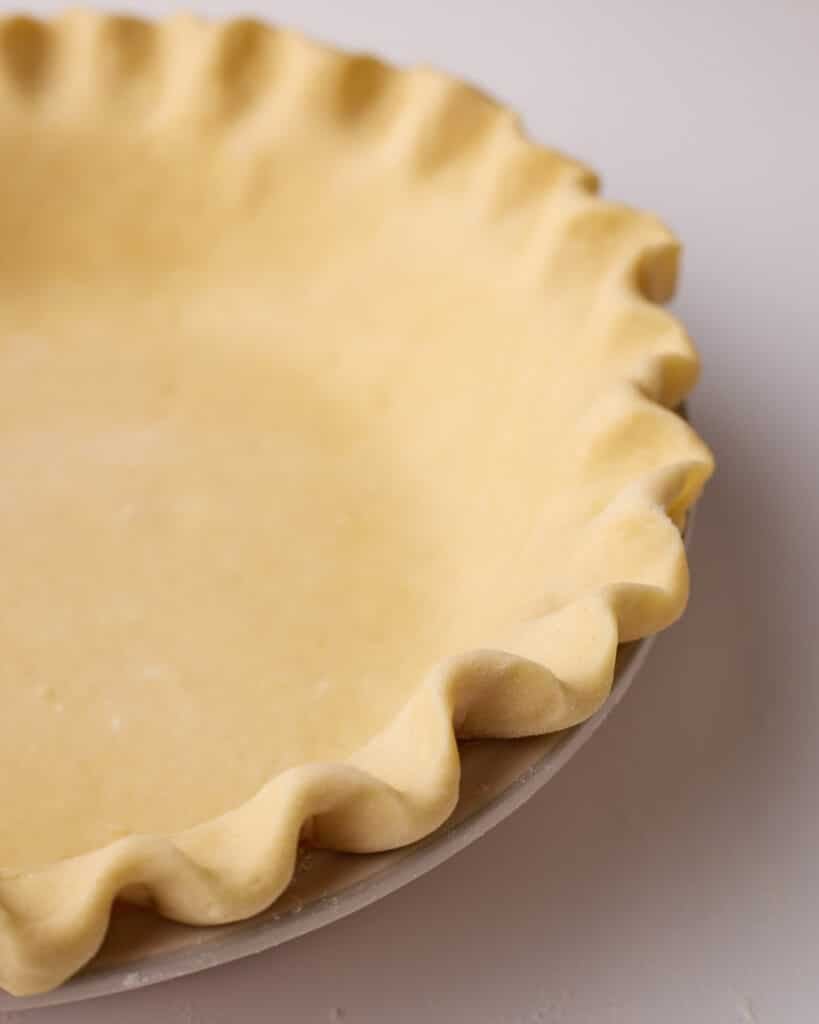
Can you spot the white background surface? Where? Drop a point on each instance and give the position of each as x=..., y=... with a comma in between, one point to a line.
x=670, y=874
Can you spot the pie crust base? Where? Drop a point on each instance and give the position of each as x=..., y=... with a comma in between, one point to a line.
x=336, y=424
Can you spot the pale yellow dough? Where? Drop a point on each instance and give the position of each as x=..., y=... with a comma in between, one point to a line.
x=331, y=415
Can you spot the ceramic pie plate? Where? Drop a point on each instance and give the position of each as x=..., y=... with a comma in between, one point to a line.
x=336, y=425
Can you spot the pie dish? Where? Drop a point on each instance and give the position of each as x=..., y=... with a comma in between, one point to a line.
x=337, y=423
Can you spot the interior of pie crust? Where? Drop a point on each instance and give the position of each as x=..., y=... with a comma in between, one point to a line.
x=319, y=389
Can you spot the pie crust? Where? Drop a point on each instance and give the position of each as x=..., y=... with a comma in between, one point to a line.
x=335, y=422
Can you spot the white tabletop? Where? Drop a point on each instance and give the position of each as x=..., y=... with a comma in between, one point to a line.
x=670, y=874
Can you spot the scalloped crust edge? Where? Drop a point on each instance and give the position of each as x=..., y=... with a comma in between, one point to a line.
x=404, y=783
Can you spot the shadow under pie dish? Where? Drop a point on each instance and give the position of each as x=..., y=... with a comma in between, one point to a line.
x=335, y=423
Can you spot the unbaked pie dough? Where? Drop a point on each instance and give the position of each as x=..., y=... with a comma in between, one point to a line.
x=334, y=416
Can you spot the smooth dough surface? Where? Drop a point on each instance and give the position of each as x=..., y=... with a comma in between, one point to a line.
x=272, y=444
x=295, y=404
